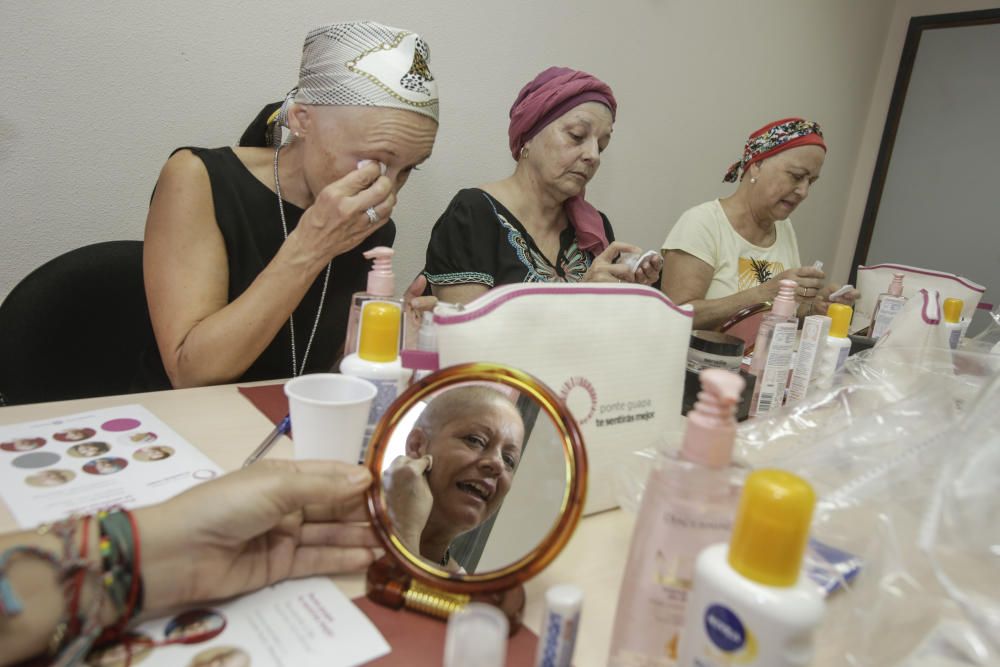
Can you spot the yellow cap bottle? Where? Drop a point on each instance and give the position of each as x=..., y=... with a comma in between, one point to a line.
x=749, y=605
x=953, y=321
x=377, y=358
x=772, y=527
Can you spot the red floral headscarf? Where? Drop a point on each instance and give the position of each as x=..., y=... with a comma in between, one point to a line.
x=774, y=138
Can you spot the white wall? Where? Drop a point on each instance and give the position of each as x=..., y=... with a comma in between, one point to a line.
x=875, y=123
x=97, y=94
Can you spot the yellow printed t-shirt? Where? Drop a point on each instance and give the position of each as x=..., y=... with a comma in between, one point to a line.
x=705, y=232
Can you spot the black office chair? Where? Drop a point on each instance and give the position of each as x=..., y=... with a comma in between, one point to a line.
x=75, y=327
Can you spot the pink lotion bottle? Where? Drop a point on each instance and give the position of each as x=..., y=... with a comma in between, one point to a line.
x=887, y=306
x=689, y=503
x=381, y=285
x=772, y=352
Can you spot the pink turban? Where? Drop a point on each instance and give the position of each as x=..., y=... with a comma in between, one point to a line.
x=547, y=97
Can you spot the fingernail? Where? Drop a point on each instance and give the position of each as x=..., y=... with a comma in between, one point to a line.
x=359, y=476
x=378, y=552
x=363, y=163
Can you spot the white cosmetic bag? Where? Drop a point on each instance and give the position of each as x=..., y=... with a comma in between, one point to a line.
x=873, y=280
x=615, y=353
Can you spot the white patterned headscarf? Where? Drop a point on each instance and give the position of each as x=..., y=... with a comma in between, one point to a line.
x=364, y=63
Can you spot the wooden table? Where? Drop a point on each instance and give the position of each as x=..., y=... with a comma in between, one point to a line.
x=226, y=427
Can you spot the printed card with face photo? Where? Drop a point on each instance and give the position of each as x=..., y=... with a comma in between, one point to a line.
x=303, y=622
x=82, y=462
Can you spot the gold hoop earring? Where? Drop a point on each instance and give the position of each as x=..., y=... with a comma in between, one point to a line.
x=524, y=152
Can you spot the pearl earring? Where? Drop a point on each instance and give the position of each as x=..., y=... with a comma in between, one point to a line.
x=752, y=180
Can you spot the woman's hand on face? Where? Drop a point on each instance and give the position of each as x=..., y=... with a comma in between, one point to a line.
x=272, y=521
x=809, y=280
x=604, y=270
x=408, y=497
x=338, y=219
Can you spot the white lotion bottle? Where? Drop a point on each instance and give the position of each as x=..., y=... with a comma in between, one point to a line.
x=953, y=321
x=377, y=358
x=838, y=345
x=750, y=606
x=689, y=503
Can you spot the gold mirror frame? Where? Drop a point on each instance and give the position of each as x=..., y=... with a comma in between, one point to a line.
x=542, y=554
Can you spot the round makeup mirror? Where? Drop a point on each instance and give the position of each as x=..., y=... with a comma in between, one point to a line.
x=481, y=478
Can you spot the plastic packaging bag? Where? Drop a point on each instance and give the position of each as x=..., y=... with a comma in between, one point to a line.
x=905, y=459
x=904, y=454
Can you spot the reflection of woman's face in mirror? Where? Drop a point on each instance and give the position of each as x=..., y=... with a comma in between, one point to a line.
x=474, y=436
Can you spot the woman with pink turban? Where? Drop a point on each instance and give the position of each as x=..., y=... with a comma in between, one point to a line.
x=535, y=225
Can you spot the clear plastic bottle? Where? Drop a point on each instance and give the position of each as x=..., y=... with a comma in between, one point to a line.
x=887, y=306
x=689, y=503
x=422, y=361
x=772, y=352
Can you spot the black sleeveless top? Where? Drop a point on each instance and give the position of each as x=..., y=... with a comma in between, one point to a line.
x=246, y=211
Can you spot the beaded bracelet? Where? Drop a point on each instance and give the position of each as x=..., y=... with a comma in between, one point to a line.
x=120, y=560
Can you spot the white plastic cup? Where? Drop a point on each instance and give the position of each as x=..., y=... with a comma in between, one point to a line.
x=329, y=413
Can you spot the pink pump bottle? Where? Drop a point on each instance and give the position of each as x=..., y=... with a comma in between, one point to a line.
x=887, y=306
x=381, y=287
x=689, y=503
x=772, y=352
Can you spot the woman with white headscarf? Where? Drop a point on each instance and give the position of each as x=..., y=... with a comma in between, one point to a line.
x=252, y=253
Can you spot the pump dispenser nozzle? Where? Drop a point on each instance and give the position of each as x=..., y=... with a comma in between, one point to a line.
x=381, y=279
x=784, y=303
x=896, y=286
x=711, y=425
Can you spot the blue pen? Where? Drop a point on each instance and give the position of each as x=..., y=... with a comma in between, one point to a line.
x=283, y=427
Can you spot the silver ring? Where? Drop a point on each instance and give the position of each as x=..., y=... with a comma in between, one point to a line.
x=372, y=215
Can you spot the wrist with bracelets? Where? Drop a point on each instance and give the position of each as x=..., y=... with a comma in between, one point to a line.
x=117, y=580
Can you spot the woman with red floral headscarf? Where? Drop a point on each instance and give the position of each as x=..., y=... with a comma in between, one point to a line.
x=730, y=253
x=535, y=225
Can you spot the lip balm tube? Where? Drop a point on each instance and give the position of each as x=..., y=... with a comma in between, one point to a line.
x=557, y=640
